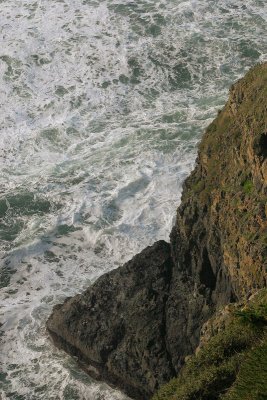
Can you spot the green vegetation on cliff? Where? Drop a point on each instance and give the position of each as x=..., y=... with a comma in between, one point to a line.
x=232, y=364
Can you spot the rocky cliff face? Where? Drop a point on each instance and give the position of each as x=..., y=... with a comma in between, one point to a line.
x=219, y=242
x=223, y=212
x=136, y=324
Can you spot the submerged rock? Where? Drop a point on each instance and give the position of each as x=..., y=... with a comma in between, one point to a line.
x=136, y=324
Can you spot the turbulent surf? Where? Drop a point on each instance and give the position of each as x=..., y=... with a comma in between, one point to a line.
x=102, y=106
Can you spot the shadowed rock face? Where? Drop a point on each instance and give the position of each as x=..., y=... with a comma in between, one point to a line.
x=119, y=324
x=136, y=324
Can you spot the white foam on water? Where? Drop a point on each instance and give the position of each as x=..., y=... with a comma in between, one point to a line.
x=102, y=106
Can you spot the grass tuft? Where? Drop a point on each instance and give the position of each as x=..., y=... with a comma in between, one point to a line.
x=232, y=365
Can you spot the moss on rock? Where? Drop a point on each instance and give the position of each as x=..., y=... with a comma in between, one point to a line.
x=232, y=364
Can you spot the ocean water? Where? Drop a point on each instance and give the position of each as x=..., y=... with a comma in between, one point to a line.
x=102, y=106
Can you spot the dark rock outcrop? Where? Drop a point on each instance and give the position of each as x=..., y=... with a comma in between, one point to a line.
x=118, y=326
x=136, y=324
